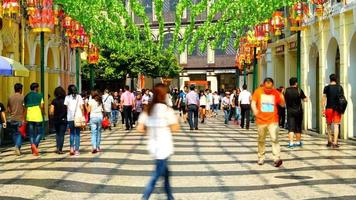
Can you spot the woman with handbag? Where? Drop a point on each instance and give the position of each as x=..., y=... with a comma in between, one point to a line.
x=159, y=121
x=75, y=117
x=226, y=107
x=95, y=107
x=59, y=113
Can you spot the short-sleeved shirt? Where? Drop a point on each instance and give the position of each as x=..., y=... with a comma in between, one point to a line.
x=160, y=141
x=226, y=101
x=293, y=97
x=244, y=97
x=2, y=109
x=332, y=93
x=192, y=98
x=73, y=106
x=127, y=98
x=107, y=101
x=183, y=98
x=16, y=105
x=203, y=100
x=60, y=110
x=115, y=104
x=216, y=99
x=96, y=109
x=266, y=104
x=145, y=99
x=139, y=105
x=33, y=102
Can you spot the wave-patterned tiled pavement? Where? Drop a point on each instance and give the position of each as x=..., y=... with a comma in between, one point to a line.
x=216, y=162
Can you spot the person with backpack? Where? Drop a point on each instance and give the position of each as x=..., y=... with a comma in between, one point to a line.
x=294, y=97
x=334, y=104
x=182, y=103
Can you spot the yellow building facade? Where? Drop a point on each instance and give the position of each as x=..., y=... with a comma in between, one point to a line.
x=328, y=46
x=23, y=46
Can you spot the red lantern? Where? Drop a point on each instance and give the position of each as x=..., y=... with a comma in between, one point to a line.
x=11, y=7
x=67, y=22
x=298, y=11
x=278, y=22
x=31, y=3
x=75, y=25
x=93, y=56
x=41, y=18
x=319, y=10
x=259, y=32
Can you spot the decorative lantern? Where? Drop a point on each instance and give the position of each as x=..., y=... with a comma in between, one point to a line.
x=299, y=10
x=319, y=10
x=260, y=32
x=11, y=7
x=266, y=29
x=67, y=22
x=57, y=12
x=31, y=3
x=31, y=6
x=278, y=22
x=75, y=25
x=41, y=18
x=93, y=56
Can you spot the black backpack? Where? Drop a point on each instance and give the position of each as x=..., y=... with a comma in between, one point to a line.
x=341, y=103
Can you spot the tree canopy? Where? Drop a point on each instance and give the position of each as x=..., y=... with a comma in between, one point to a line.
x=115, y=65
x=109, y=21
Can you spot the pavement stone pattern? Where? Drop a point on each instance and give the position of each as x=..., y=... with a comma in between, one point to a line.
x=216, y=162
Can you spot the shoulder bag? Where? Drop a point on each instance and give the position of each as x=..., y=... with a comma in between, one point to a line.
x=79, y=120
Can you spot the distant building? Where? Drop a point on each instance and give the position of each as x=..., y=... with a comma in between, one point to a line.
x=214, y=69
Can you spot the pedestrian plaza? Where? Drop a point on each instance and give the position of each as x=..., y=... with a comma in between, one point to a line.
x=216, y=162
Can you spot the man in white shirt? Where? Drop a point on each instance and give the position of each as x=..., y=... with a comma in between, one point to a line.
x=245, y=105
x=108, y=100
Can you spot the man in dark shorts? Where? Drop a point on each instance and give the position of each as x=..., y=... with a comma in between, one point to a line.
x=182, y=103
x=294, y=97
x=333, y=117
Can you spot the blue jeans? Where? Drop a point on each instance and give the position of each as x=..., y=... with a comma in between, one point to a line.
x=35, y=130
x=108, y=115
x=114, y=116
x=161, y=170
x=74, y=138
x=95, y=126
x=227, y=115
x=16, y=135
x=237, y=113
x=215, y=108
x=61, y=128
x=193, y=111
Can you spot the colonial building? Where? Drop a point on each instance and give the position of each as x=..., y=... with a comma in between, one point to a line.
x=328, y=46
x=19, y=43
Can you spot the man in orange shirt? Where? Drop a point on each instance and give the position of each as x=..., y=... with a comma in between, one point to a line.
x=264, y=106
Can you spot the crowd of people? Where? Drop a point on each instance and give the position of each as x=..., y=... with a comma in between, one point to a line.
x=153, y=113
x=70, y=111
